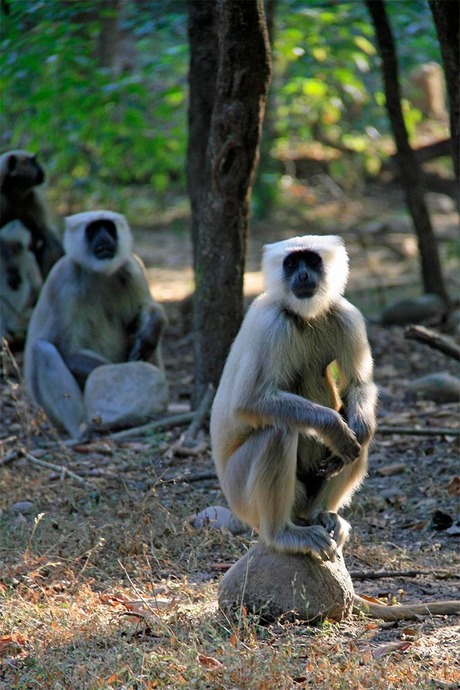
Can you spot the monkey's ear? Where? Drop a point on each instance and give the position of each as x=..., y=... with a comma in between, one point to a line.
x=12, y=162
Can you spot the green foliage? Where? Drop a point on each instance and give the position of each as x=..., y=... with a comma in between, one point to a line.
x=327, y=83
x=100, y=131
x=95, y=125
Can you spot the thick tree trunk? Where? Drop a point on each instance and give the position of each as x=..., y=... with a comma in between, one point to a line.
x=410, y=171
x=107, y=39
x=202, y=30
x=222, y=217
x=446, y=14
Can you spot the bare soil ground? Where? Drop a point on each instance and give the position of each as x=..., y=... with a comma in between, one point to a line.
x=105, y=584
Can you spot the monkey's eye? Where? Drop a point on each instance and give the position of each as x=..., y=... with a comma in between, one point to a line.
x=314, y=260
x=291, y=262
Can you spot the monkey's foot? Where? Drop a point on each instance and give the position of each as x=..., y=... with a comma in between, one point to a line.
x=336, y=526
x=312, y=539
x=330, y=466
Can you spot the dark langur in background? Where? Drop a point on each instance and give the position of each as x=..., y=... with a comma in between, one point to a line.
x=290, y=444
x=20, y=280
x=95, y=308
x=20, y=199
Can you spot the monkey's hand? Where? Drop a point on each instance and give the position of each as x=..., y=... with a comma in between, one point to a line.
x=342, y=442
x=336, y=526
x=330, y=466
x=149, y=330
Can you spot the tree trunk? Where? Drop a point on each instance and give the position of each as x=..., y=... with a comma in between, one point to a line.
x=410, y=171
x=446, y=16
x=222, y=217
x=202, y=30
x=107, y=39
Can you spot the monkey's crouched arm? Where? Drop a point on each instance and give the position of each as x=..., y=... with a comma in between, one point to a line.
x=150, y=325
x=303, y=416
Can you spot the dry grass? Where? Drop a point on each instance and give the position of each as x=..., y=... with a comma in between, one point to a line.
x=108, y=586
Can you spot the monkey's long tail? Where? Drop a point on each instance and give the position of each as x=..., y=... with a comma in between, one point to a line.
x=405, y=612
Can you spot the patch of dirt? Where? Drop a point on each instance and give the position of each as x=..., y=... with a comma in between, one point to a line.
x=131, y=518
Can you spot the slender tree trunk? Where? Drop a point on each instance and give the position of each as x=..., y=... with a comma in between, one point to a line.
x=410, y=171
x=202, y=30
x=446, y=14
x=106, y=45
x=222, y=217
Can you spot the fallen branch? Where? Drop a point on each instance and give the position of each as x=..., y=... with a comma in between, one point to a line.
x=58, y=468
x=200, y=414
x=165, y=423
x=187, y=444
x=380, y=574
x=413, y=431
x=9, y=457
x=405, y=612
x=433, y=339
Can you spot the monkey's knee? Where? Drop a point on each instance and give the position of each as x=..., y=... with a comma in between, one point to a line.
x=56, y=390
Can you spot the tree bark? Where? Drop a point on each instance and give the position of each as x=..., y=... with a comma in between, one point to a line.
x=410, y=171
x=221, y=220
x=446, y=15
x=202, y=31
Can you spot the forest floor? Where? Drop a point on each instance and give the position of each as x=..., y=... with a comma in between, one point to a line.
x=106, y=584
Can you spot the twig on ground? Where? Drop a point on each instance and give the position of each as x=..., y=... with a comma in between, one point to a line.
x=380, y=574
x=413, y=431
x=433, y=339
x=165, y=423
x=58, y=468
x=188, y=444
x=9, y=457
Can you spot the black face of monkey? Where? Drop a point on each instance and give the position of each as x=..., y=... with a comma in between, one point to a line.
x=24, y=172
x=101, y=236
x=302, y=273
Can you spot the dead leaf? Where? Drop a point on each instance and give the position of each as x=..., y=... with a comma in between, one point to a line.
x=221, y=566
x=137, y=607
x=394, y=468
x=100, y=447
x=453, y=487
x=409, y=634
x=384, y=649
x=10, y=645
x=210, y=662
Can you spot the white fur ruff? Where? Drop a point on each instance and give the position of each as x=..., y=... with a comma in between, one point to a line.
x=75, y=242
x=332, y=285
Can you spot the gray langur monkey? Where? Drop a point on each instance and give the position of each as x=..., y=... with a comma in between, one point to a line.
x=290, y=444
x=20, y=178
x=95, y=308
x=20, y=280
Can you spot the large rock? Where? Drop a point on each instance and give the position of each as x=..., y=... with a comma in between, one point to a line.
x=294, y=586
x=123, y=395
x=413, y=310
x=440, y=387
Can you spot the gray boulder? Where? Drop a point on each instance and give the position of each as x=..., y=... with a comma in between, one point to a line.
x=123, y=395
x=294, y=586
x=413, y=310
x=440, y=387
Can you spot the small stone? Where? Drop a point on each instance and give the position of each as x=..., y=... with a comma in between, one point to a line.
x=220, y=518
x=413, y=310
x=272, y=584
x=126, y=394
x=440, y=387
x=23, y=507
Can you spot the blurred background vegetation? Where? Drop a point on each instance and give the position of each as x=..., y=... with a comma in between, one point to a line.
x=99, y=89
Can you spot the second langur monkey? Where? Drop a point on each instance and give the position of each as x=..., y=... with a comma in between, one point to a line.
x=290, y=444
x=20, y=281
x=95, y=308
